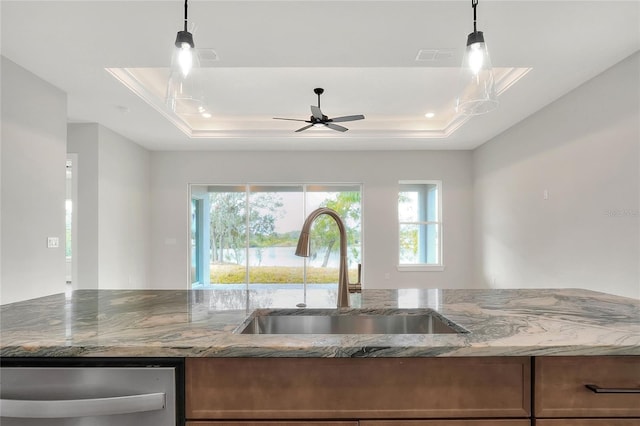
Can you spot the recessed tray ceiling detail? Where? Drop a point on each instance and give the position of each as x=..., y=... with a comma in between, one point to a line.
x=242, y=106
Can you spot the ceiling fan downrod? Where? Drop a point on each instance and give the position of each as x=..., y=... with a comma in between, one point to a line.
x=318, y=91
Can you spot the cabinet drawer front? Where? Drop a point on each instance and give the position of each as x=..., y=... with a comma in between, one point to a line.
x=588, y=422
x=560, y=386
x=357, y=388
x=487, y=422
x=272, y=423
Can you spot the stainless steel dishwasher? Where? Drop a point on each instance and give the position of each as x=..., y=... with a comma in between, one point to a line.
x=88, y=396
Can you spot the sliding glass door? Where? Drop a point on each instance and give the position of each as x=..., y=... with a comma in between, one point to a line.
x=249, y=233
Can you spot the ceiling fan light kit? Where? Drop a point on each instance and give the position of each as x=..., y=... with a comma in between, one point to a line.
x=318, y=119
x=477, y=91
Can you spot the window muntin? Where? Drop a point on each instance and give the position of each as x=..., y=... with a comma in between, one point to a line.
x=420, y=225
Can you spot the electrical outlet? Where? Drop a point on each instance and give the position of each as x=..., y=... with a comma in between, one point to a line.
x=53, y=242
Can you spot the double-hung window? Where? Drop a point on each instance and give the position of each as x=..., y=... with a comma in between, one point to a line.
x=420, y=225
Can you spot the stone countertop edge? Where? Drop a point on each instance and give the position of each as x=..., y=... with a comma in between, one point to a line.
x=200, y=323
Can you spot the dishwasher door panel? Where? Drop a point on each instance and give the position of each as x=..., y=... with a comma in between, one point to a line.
x=93, y=396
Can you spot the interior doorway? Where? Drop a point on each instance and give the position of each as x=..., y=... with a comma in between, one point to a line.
x=71, y=222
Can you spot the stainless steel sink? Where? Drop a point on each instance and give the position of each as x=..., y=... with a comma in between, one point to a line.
x=347, y=321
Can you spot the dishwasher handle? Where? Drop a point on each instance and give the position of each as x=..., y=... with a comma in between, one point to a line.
x=45, y=409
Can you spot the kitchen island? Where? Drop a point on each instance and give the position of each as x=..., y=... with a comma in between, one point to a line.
x=527, y=356
x=201, y=323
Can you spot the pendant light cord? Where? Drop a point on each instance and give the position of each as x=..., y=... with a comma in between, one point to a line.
x=474, y=4
x=185, y=14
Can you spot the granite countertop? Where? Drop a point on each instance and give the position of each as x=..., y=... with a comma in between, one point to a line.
x=200, y=323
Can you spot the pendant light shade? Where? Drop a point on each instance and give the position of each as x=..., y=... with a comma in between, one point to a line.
x=184, y=93
x=184, y=89
x=477, y=91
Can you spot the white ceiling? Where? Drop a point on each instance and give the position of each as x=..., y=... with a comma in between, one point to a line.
x=271, y=54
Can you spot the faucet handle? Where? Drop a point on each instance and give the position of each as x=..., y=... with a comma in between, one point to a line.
x=357, y=287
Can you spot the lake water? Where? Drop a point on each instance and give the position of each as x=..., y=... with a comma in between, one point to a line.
x=285, y=256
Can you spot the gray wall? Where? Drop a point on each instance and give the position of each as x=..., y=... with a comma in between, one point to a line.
x=34, y=135
x=379, y=172
x=584, y=150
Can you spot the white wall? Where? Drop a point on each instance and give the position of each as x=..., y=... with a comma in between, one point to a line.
x=33, y=185
x=1, y=137
x=124, y=213
x=113, y=209
x=82, y=139
x=379, y=172
x=584, y=150
x=498, y=231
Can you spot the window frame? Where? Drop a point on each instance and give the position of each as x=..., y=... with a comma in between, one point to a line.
x=422, y=267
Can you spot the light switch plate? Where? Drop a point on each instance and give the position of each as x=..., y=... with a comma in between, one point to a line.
x=53, y=242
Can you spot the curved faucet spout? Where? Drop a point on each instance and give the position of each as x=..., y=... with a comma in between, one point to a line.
x=304, y=250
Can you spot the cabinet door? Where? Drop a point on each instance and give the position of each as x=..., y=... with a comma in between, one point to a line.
x=588, y=422
x=357, y=388
x=490, y=422
x=271, y=423
x=487, y=422
x=560, y=389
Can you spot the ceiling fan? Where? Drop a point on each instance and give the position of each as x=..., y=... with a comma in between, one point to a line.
x=319, y=119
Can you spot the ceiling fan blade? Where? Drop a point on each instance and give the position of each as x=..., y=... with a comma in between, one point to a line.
x=315, y=111
x=348, y=118
x=304, y=128
x=291, y=119
x=336, y=127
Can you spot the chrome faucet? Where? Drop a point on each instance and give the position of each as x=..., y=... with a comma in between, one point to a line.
x=304, y=250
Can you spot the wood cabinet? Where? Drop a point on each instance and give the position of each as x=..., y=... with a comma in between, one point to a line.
x=482, y=391
x=488, y=422
x=272, y=423
x=588, y=422
x=358, y=388
x=485, y=422
x=561, y=392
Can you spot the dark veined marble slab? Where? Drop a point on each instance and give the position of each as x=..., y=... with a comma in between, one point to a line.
x=200, y=323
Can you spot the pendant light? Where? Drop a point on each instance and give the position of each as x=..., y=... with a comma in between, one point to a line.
x=477, y=92
x=184, y=91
